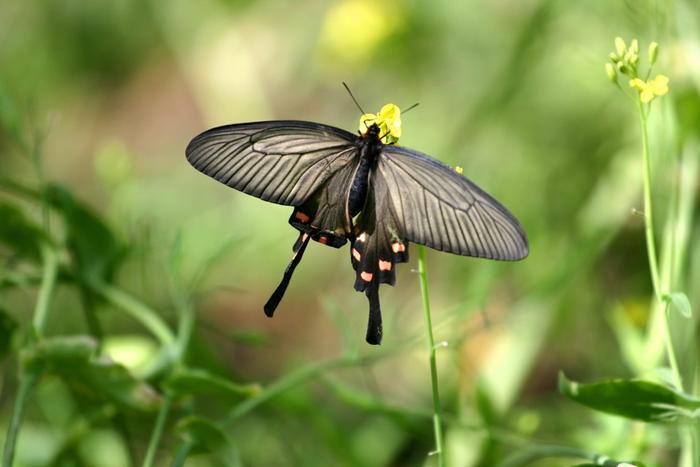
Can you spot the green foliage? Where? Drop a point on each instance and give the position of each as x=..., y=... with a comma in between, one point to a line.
x=8, y=326
x=186, y=382
x=73, y=359
x=634, y=399
x=18, y=234
x=95, y=250
x=679, y=302
x=203, y=436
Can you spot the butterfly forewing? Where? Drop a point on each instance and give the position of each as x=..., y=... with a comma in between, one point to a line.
x=283, y=162
x=437, y=207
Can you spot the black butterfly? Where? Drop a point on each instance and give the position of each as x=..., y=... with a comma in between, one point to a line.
x=347, y=187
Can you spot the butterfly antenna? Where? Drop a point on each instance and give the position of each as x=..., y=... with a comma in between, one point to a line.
x=353, y=98
x=277, y=295
x=410, y=108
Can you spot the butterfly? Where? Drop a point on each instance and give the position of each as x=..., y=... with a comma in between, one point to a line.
x=362, y=189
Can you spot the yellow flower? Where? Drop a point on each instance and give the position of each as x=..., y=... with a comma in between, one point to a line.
x=388, y=120
x=650, y=89
x=459, y=169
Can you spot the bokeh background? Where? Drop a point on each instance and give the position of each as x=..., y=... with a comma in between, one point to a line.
x=513, y=91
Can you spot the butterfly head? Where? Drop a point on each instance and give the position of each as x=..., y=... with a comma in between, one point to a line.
x=385, y=125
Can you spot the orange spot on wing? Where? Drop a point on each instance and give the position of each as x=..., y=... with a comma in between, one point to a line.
x=384, y=265
x=356, y=254
x=322, y=240
x=398, y=247
x=302, y=217
x=366, y=276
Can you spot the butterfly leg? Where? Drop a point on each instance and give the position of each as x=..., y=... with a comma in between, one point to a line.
x=299, y=248
x=374, y=324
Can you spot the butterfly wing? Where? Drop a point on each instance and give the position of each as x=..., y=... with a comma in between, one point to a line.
x=435, y=206
x=324, y=214
x=283, y=162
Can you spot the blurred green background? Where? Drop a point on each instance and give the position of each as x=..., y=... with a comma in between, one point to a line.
x=103, y=97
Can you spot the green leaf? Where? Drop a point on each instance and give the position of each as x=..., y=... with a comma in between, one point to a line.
x=188, y=382
x=72, y=358
x=203, y=435
x=18, y=233
x=95, y=250
x=635, y=399
x=680, y=302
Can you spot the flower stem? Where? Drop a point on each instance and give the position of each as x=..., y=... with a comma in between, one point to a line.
x=651, y=248
x=26, y=383
x=157, y=433
x=437, y=423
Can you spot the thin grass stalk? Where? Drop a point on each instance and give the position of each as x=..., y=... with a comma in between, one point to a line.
x=437, y=422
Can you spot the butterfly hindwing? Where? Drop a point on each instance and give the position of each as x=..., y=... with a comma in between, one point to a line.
x=377, y=247
x=323, y=215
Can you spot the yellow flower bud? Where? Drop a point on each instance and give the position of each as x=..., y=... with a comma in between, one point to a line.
x=634, y=46
x=459, y=169
x=610, y=71
x=653, y=52
x=620, y=46
x=614, y=58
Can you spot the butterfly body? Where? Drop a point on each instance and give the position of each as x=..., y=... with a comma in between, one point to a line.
x=369, y=147
x=357, y=189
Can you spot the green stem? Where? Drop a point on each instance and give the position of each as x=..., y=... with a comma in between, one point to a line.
x=157, y=433
x=48, y=283
x=651, y=247
x=27, y=377
x=291, y=380
x=307, y=373
x=437, y=423
x=26, y=384
x=139, y=311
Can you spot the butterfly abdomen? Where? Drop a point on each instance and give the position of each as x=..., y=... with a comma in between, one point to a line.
x=369, y=147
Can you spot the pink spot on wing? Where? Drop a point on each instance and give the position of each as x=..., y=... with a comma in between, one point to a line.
x=384, y=265
x=302, y=217
x=304, y=237
x=356, y=254
x=366, y=276
x=398, y=247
